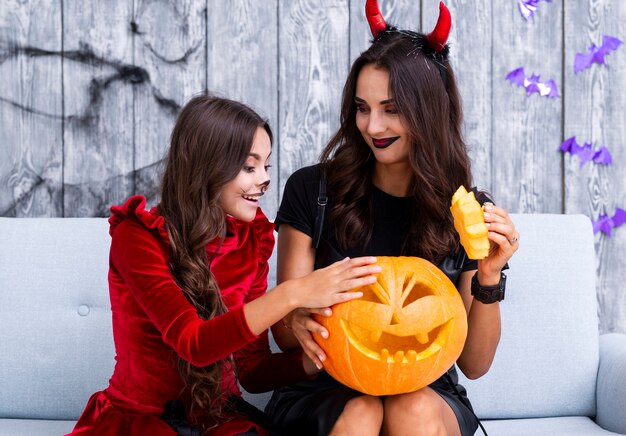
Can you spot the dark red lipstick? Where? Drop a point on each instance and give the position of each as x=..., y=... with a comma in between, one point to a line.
x=384, y=143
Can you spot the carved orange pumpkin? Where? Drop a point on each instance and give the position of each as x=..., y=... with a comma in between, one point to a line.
x=404, y=333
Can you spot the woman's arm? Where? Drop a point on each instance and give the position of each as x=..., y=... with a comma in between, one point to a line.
x=483, y=320
x=483, y=330
x=296, y=258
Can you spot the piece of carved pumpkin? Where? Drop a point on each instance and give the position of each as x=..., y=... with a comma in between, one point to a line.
x=469, y=222
x=405, y=332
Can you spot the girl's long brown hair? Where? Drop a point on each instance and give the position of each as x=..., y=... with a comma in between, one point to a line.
x=428, y=101
x=209, y=145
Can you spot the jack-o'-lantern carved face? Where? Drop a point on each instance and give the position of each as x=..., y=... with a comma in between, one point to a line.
x=404, y=333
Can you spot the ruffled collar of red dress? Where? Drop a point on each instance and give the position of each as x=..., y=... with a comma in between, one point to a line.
x=135, y=207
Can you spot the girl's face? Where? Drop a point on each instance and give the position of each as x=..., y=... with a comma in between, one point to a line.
x=240, y=197
x=377, y=117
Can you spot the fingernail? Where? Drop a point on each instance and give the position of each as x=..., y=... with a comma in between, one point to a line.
x=318, y=366
x=320, y=357
x=488, y=206
x=488, y=224
x=486, y=214
x=324, y=334
x=327, y=312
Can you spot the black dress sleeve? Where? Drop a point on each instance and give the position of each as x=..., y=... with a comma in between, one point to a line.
x=299, y=204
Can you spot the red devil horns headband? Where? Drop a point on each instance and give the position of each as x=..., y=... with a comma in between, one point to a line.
x=436, y=39
x=439, y=36
x=375, y=18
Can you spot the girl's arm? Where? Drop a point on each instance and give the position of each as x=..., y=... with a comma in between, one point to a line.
x=320, y=288
x=139, y=259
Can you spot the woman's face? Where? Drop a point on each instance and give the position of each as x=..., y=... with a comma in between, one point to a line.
x=240, y=197
x=377, y=117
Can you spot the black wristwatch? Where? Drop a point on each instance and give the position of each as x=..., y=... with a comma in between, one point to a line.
x=488, y=294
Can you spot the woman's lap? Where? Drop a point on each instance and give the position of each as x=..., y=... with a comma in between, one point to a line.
x=467, y=421
x=313, y=407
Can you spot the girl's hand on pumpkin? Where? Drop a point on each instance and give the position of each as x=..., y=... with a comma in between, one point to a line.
x=332, y=285
x=504, y=241
x=302, y=324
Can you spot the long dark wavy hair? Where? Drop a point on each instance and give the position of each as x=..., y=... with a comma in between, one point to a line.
x=428, y=101
x=209, y=145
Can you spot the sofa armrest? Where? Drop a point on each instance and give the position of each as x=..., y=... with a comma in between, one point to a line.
x=611, y=387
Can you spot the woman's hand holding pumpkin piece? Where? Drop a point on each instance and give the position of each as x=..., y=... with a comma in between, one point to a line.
x=504, y=239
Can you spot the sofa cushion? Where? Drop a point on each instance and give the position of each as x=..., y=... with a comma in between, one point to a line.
x=547, y=360
x=34, y=427
x=55, y=317
x=564, y=426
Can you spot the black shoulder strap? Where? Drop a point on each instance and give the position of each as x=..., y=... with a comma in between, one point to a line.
x=322, y=199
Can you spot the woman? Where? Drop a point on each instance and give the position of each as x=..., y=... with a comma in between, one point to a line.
x=187, y=281
x=391, y=169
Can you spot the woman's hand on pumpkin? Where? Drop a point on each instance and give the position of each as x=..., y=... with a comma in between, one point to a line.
x=504, y=241
x=310, y=367
x=332, y=285
x=302, y=324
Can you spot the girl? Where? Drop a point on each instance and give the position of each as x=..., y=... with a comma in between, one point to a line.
x=187, y=282
x=391, y=171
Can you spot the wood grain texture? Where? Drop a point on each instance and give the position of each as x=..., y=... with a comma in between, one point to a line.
x=98, y=81
x=594, y=113
x=242, y=54
x=471, y=58
x=242, y=64
x=526, y=131
x=91, y=89
x=169, y=47
x=404, y=14
x=313, y=59
x=31, y=147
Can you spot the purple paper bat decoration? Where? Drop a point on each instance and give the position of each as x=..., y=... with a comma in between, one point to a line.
x=585, y=152
x=605, y=224
x=596, y=54
x=532, y=83
x=528, y=7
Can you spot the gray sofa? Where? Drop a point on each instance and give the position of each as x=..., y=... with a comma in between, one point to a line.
x=553, y=373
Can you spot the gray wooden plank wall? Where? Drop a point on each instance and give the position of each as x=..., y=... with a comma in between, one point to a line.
x=90, y=90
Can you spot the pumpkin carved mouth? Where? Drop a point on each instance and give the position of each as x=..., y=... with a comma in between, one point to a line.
x=395, y=354
x=407, y=329
x=396, y=329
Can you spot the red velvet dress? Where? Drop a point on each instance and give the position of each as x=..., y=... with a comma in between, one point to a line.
x=153, y=324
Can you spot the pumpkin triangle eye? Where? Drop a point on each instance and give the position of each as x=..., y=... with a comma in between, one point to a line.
x=413, y=289
x=420, y=317
x=379, y=289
